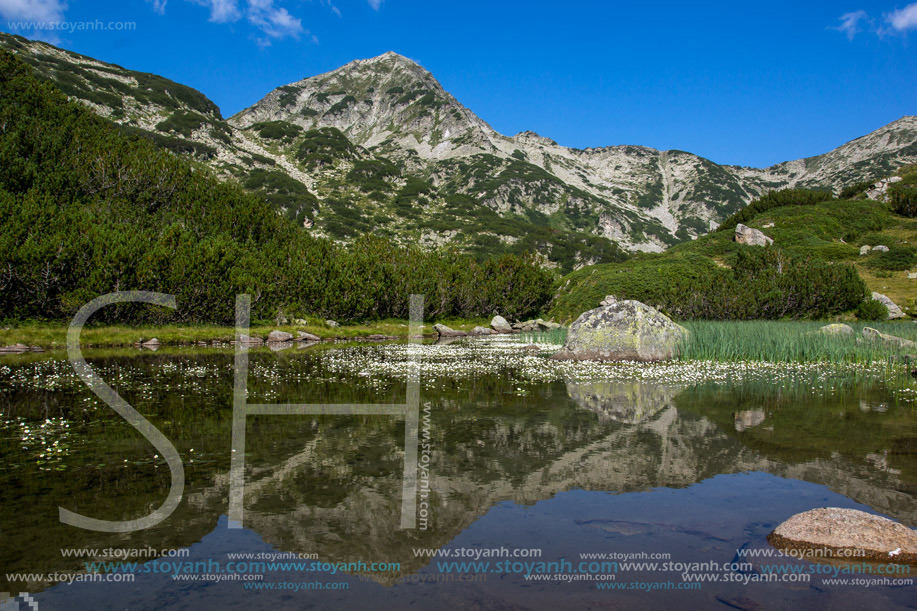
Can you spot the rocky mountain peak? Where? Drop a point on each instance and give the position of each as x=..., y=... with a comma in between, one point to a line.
x=531, y=137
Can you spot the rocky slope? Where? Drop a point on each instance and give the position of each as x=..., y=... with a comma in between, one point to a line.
x=378, y=145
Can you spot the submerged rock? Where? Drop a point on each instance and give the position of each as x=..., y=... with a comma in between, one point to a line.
x=748, y=418
x=750, y=236
x=480, y=331
x=624, y=331
x=445, y=331
x=893, y=310
x=500, y=325
x=834, y=531
x=15, y=348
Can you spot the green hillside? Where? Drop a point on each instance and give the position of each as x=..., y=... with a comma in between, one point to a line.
x=814, y=268
x=86, y=209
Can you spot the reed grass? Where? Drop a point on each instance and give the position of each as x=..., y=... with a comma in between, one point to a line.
x=776, y=342
x=792, y=342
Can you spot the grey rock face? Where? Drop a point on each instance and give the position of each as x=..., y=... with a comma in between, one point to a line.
x=836, y=529
x=864, y=249
x=302, y=336
x=880, y=248
x=500, y=325
x=332, y=323
x=893, y=310
x=481, y=331
x=625, y=331
x=750, y=236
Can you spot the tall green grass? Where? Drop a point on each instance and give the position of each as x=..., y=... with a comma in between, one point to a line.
x=791, y=342
x=776, y=342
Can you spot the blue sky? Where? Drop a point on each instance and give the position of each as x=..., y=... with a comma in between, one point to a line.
x=740, y=83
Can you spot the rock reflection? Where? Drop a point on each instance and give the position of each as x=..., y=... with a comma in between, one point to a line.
x=626, y=402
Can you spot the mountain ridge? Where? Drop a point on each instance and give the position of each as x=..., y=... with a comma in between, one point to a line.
x=379, y=145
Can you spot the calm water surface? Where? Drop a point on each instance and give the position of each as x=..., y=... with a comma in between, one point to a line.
x=672, y=464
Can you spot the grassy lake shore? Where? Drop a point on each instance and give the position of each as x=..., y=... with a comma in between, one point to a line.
x=54, y=335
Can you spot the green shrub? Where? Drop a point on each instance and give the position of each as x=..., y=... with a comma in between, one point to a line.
x=895, y=258
x=764, y=283
x=323, y=146
x=182, y=122
x=370, y=174
x=277, y=130
x=342, y=105
x=775, y=199
x=851, y=191
x=903, y=198
x=872, y=309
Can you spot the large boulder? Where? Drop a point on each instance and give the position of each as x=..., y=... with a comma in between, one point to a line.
x=836, y=329
x=752, y=237
x=500, y=325
x=278, y=337
x=842, y=532
x=624, y=331
x=303, y=336
x=893, y=310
